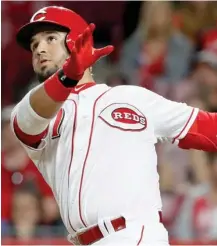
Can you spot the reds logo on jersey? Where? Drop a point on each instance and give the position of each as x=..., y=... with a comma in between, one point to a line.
x=124, y=116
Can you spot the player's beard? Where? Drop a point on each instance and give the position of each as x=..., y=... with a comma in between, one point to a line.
x=45, y=75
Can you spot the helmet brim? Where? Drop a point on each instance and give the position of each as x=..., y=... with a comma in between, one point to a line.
x=26, y=32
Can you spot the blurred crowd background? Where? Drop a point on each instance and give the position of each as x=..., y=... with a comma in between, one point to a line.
x=167, y=47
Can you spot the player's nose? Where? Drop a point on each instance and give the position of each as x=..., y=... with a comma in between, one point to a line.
x=41, y=48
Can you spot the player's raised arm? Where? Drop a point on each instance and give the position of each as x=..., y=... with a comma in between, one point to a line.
x=31, y=117
x=47, y=99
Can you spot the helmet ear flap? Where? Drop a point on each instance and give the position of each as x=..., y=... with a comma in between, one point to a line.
x=69, y=43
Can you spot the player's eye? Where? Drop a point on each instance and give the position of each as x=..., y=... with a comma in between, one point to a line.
x=51, y=39
x=34, y=46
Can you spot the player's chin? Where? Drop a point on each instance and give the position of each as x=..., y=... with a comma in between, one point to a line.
x=45, y=73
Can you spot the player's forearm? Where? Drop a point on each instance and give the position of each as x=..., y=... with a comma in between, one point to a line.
x=47, y=99
x=42, y=104
x=31, y=117
x=203, y=133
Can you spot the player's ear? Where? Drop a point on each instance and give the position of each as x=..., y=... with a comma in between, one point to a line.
x=64, y=44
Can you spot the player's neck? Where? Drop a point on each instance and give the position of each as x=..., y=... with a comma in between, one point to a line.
x=87, y=77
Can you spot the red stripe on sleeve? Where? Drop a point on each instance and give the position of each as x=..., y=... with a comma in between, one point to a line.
x=30, y=140
x=202, y=134
x=184, y=126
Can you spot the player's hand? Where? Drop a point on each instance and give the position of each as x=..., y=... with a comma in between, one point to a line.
x=84, y=55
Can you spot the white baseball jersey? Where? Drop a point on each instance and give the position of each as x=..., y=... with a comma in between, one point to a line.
x=99, y=155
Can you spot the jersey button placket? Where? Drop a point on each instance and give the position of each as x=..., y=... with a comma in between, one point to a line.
x=85, y=118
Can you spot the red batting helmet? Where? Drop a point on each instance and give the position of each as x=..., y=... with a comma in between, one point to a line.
x=73, y=23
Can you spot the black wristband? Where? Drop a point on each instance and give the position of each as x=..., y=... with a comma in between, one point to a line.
x=67, y=82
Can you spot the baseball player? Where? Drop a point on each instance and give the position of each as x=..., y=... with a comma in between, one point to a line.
x=95, y=145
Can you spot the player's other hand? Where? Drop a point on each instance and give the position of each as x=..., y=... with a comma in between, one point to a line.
x=84, y=55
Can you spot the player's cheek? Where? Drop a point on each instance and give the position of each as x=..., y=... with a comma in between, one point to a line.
x=34, y=60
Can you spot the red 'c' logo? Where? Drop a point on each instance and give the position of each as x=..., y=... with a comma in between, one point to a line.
x=38, y=16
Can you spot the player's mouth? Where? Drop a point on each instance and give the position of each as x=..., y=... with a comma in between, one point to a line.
x=44, y=61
